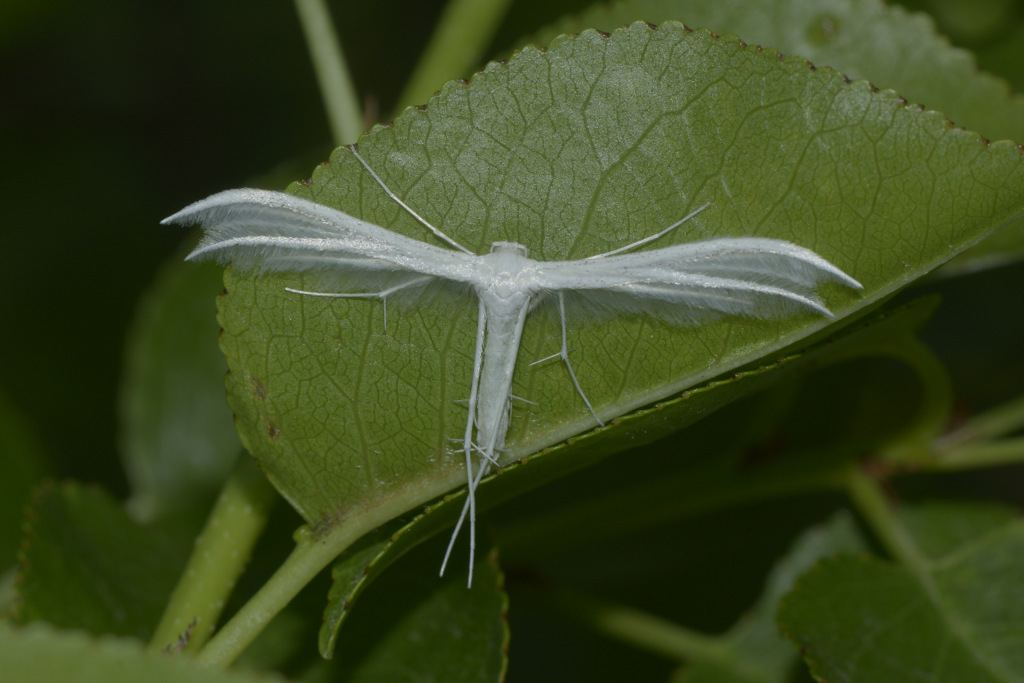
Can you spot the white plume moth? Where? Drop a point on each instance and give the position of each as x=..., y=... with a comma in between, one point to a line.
x=683, y=284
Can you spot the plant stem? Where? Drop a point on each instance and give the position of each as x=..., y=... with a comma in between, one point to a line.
x=915, y=443
x=641, y=629
x=992, y=454
x=992, y=424
x=312, y=554
x=219, y=557
x=463, y=32
x=873, y=505
x=332, y=73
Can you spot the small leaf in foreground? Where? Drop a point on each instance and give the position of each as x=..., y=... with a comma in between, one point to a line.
x=40, y=654
x=87, y=565
x=866, y=620
x=24, y=464
x=411, y=626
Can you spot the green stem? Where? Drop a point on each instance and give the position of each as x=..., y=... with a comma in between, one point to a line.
x=463, y=32
x=332, y=73
x=312, y=554
x=995, y=423
x=974, y=455
x=914, y=445
x=874, y=507
x=637, y=628
x=219, y=557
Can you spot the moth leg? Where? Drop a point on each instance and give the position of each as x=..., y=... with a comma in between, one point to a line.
x=382, y=295
x=518, y=398
x=481, y=451
x=469, y=507
x=467, y=447
x=564, y=355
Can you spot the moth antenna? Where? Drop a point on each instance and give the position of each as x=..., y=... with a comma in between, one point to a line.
x=650, y=238
x=421, y=219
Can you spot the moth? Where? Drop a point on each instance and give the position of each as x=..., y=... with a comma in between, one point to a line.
x=682, y=284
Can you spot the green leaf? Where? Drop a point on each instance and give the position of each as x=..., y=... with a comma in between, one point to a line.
x=178, y=440
x=420, y=628
x=24, y=464
x=864, y=619
x=752, y=650
x=864, y=39
x=592, y=144
x=887, y=45
x=969, y=22
x=38, y=653
x=87, y=565
x=755, y=650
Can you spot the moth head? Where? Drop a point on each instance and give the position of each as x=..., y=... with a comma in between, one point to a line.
x=508, y=248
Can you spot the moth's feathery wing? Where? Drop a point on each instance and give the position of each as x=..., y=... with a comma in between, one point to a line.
x=690, y=283
x=263, y=230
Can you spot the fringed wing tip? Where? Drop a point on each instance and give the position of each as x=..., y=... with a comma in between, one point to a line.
x=195, y=212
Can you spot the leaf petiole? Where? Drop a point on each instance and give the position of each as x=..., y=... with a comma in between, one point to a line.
x=640, y=629
x=313, y=552
x=220, y=555
x=339, y=93
x=873, y=505
x=463, y=33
